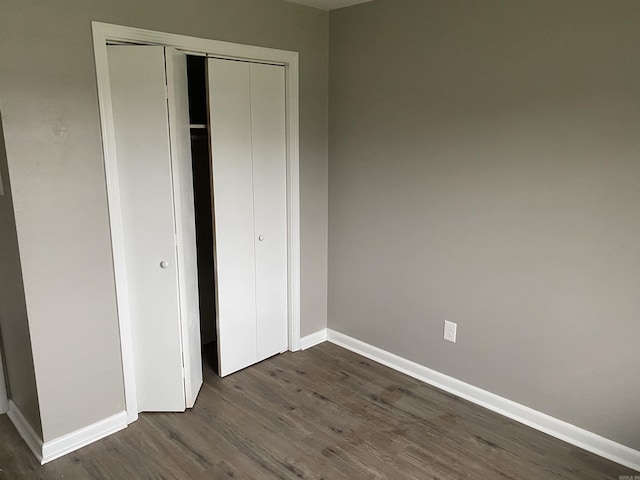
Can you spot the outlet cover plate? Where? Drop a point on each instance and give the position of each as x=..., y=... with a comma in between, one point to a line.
x=450, y=331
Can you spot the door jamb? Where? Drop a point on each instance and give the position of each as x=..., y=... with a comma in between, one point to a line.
x=104, y=33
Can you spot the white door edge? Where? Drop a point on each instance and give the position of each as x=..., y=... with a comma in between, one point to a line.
x=104, y=33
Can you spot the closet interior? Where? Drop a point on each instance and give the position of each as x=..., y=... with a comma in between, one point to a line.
x=203, y=200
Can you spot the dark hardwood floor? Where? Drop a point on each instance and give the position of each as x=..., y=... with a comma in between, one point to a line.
x=324, y=413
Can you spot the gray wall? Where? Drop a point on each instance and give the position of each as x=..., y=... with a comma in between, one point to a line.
x=14, y=328
x=485, y=169
x=48, y=97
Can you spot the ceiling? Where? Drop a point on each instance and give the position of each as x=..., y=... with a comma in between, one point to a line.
x=328, y=4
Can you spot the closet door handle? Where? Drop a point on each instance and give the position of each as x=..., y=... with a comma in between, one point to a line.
x=261, y=237
x=164, y=264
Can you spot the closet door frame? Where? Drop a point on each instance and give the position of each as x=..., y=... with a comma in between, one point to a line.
x=104, y=34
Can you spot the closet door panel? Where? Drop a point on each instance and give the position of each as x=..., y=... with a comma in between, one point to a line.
x=232, y=171
x=178, y=103
x=137, y=78
x=269, y=190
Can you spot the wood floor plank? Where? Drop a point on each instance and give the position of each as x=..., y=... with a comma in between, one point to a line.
x=325, y=413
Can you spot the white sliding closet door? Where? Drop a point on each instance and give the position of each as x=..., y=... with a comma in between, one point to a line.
x=149, y=104
x=247, y=121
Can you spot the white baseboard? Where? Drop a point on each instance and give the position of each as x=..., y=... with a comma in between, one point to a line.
x=540, y=421
x=313, y=339
x=4, y=401
x=26, y=431
x=80, y=438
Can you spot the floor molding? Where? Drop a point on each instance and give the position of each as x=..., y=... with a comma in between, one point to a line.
x=26, y=431
x=80, y=438
x=4, y=400
x=540, y=421
x=313, y=339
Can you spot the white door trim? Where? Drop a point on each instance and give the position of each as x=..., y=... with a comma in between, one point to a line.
x=104, y=33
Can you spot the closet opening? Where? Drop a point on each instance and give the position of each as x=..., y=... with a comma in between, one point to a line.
x=203, y=200
x=198, y=282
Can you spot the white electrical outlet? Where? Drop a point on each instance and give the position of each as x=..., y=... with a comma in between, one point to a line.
x=450, y=330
